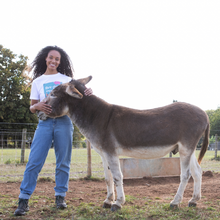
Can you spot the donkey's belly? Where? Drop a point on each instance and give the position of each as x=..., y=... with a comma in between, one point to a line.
x=146, y=152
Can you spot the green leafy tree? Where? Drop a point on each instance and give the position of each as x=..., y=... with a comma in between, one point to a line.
x=14, y=95
x=78, y=138
x=210, y=113
x=214, y=118
x=212, y=139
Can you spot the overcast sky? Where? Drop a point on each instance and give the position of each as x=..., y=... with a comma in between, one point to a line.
x=142, y=54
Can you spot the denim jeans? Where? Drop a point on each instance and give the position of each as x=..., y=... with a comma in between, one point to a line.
x=59, y=130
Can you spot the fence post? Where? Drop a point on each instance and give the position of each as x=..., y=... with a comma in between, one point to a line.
x=23, y=143
x=89, y=159
x=216, y=145
x=2, y=138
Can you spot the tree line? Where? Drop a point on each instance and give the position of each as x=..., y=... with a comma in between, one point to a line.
x=214, y=118
x=15, y=95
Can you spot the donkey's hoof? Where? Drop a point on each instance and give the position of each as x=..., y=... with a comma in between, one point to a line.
x=192, y=204
x=115, y=207
x=106, y=206
x=172, y=206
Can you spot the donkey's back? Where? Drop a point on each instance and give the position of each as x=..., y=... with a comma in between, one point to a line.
x=165, y=127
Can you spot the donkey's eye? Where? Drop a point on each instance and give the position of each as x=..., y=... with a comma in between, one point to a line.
x=52, y=95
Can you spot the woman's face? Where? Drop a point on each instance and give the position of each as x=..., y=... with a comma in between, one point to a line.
x=53, y=60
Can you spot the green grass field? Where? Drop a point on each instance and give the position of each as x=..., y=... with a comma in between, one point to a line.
x=12, y=170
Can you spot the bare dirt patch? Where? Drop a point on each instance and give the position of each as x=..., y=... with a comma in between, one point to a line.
x=161, y=189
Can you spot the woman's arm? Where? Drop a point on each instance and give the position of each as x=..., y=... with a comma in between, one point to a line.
x=40, y=106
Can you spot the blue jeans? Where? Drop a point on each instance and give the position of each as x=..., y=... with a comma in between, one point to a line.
x=59, y=130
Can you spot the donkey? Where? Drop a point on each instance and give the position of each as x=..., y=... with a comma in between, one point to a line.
x=115, y=131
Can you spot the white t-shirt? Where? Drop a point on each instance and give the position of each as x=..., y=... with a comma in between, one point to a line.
x=44, y=84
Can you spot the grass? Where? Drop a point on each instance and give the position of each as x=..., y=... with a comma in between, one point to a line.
x=12, y=170
x=217, y=158
x=85, y=211
x=14, y=155
x=208, y=163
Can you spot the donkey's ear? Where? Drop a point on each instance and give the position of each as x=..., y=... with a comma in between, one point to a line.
x=84, y=81
x=72, y=91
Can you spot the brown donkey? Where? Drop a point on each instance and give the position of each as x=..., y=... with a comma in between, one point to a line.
x=115, y=131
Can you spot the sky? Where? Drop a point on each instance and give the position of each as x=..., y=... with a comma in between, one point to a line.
x=141, y=54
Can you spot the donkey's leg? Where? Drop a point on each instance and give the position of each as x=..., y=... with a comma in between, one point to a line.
x=197, y=176
x=184, y=178
x=114, y=165
x=110, y=185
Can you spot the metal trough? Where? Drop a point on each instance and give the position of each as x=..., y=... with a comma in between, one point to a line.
x=139, y=168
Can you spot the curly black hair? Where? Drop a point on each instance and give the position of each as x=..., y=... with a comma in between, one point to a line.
x=39, y=64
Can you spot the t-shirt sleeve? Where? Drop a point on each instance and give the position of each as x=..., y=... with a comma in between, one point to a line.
x=34, y=92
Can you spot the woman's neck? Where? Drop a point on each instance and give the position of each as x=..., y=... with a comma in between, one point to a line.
x=50, y=72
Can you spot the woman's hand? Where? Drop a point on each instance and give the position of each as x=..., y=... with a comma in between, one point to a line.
x=88, y=92
x=40, y=106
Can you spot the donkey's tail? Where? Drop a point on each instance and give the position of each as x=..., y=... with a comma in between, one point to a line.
x=204, y=145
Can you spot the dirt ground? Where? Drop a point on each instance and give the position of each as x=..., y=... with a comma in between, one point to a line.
x=163, y=189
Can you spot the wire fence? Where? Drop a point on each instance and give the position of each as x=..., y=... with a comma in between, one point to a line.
x=14, y=153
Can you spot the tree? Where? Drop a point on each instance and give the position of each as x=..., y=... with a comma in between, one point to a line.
x=14, y=95
x=214, y=118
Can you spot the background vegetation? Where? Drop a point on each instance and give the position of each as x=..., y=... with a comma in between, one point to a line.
x=15, y=95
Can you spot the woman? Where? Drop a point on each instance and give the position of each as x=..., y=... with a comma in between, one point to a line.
x=51, y=67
